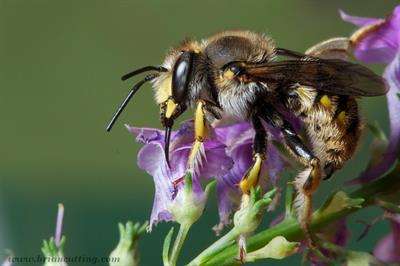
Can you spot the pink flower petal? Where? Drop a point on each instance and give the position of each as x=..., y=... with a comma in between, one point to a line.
x=392, y=76
x=379, y=40
x=358, y=21
x=388, y=248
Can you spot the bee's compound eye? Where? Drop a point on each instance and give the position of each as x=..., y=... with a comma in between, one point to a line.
x=235, y=69
x=180, y=76
x=232, y=71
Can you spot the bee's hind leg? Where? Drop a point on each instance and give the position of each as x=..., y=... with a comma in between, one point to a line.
x=308, y=180
x=252, y=176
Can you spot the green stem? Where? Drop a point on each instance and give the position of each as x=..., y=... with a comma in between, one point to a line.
x=289, y=228
x=180, y=239
x=216, y=247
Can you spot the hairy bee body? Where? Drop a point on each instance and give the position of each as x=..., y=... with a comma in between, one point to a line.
x=332, y=123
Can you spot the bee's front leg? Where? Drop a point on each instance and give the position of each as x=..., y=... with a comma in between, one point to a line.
x=252, y=176
x=200, y=134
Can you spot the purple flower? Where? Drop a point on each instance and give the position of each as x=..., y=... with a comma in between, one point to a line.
x=336, y=233
x=378, y=41
x=238, y=139
x=169, y=181
x=388, y=248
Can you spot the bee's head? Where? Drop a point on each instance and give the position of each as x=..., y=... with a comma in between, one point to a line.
x=174, y=89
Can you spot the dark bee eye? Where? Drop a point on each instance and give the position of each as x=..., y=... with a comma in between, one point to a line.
x=235, y=69
x=180, y=76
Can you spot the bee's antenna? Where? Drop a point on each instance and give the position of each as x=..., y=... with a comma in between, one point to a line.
x=127, y=99
x=144, y=69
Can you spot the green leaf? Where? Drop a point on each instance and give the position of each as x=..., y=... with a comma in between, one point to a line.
x=289, y=201
x=377, y=131
x=166, y=246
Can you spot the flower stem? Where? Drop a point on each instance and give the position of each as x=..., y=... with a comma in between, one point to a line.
x=387, y=186
x=180, y=239
x=220, y=244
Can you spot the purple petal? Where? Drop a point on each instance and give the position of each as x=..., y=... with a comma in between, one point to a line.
x=59, y=225
x=275, y=164
x=151, y=158
x=336, y=233
x=228, y=134
x=239, y=136
x=239, y=140
x=388, y=248
x=392, y=76
x=227, y=199
x=216, y=162
x=358, y=21
x=379, y=41
x=146, y=135
x=342, y=234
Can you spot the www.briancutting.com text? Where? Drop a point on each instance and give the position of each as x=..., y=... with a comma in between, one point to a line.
x=82, y=259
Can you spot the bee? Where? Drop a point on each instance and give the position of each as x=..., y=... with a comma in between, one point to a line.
x=244, y=75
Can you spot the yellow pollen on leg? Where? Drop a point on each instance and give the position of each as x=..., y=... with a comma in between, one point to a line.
x=342, y=117
x=252, y=176
x=171, y=106
x=228, y=74
x=200, y=132
x=325, y=101
x=199, y=122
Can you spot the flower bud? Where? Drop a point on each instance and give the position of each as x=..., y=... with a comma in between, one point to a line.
x=126, y=252
x=249, y=216
x=338, y=202
x=278, y=248
x=54, y=253
x=189, y=204
x=356, y=258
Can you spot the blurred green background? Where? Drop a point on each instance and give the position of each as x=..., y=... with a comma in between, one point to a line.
x=60, y=63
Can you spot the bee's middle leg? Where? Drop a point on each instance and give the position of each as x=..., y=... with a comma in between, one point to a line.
x=252, y=176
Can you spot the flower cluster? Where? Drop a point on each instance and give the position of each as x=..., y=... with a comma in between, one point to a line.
x=226, y=156
x=378, y=41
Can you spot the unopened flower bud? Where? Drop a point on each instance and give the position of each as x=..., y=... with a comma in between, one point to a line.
x=252, y=208
x=126, y=253
x=53, y=252
x=356, y=258
x=278, y=248
x=189, y=204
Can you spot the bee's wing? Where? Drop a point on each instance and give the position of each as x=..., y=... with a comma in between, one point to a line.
x=330, y=75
